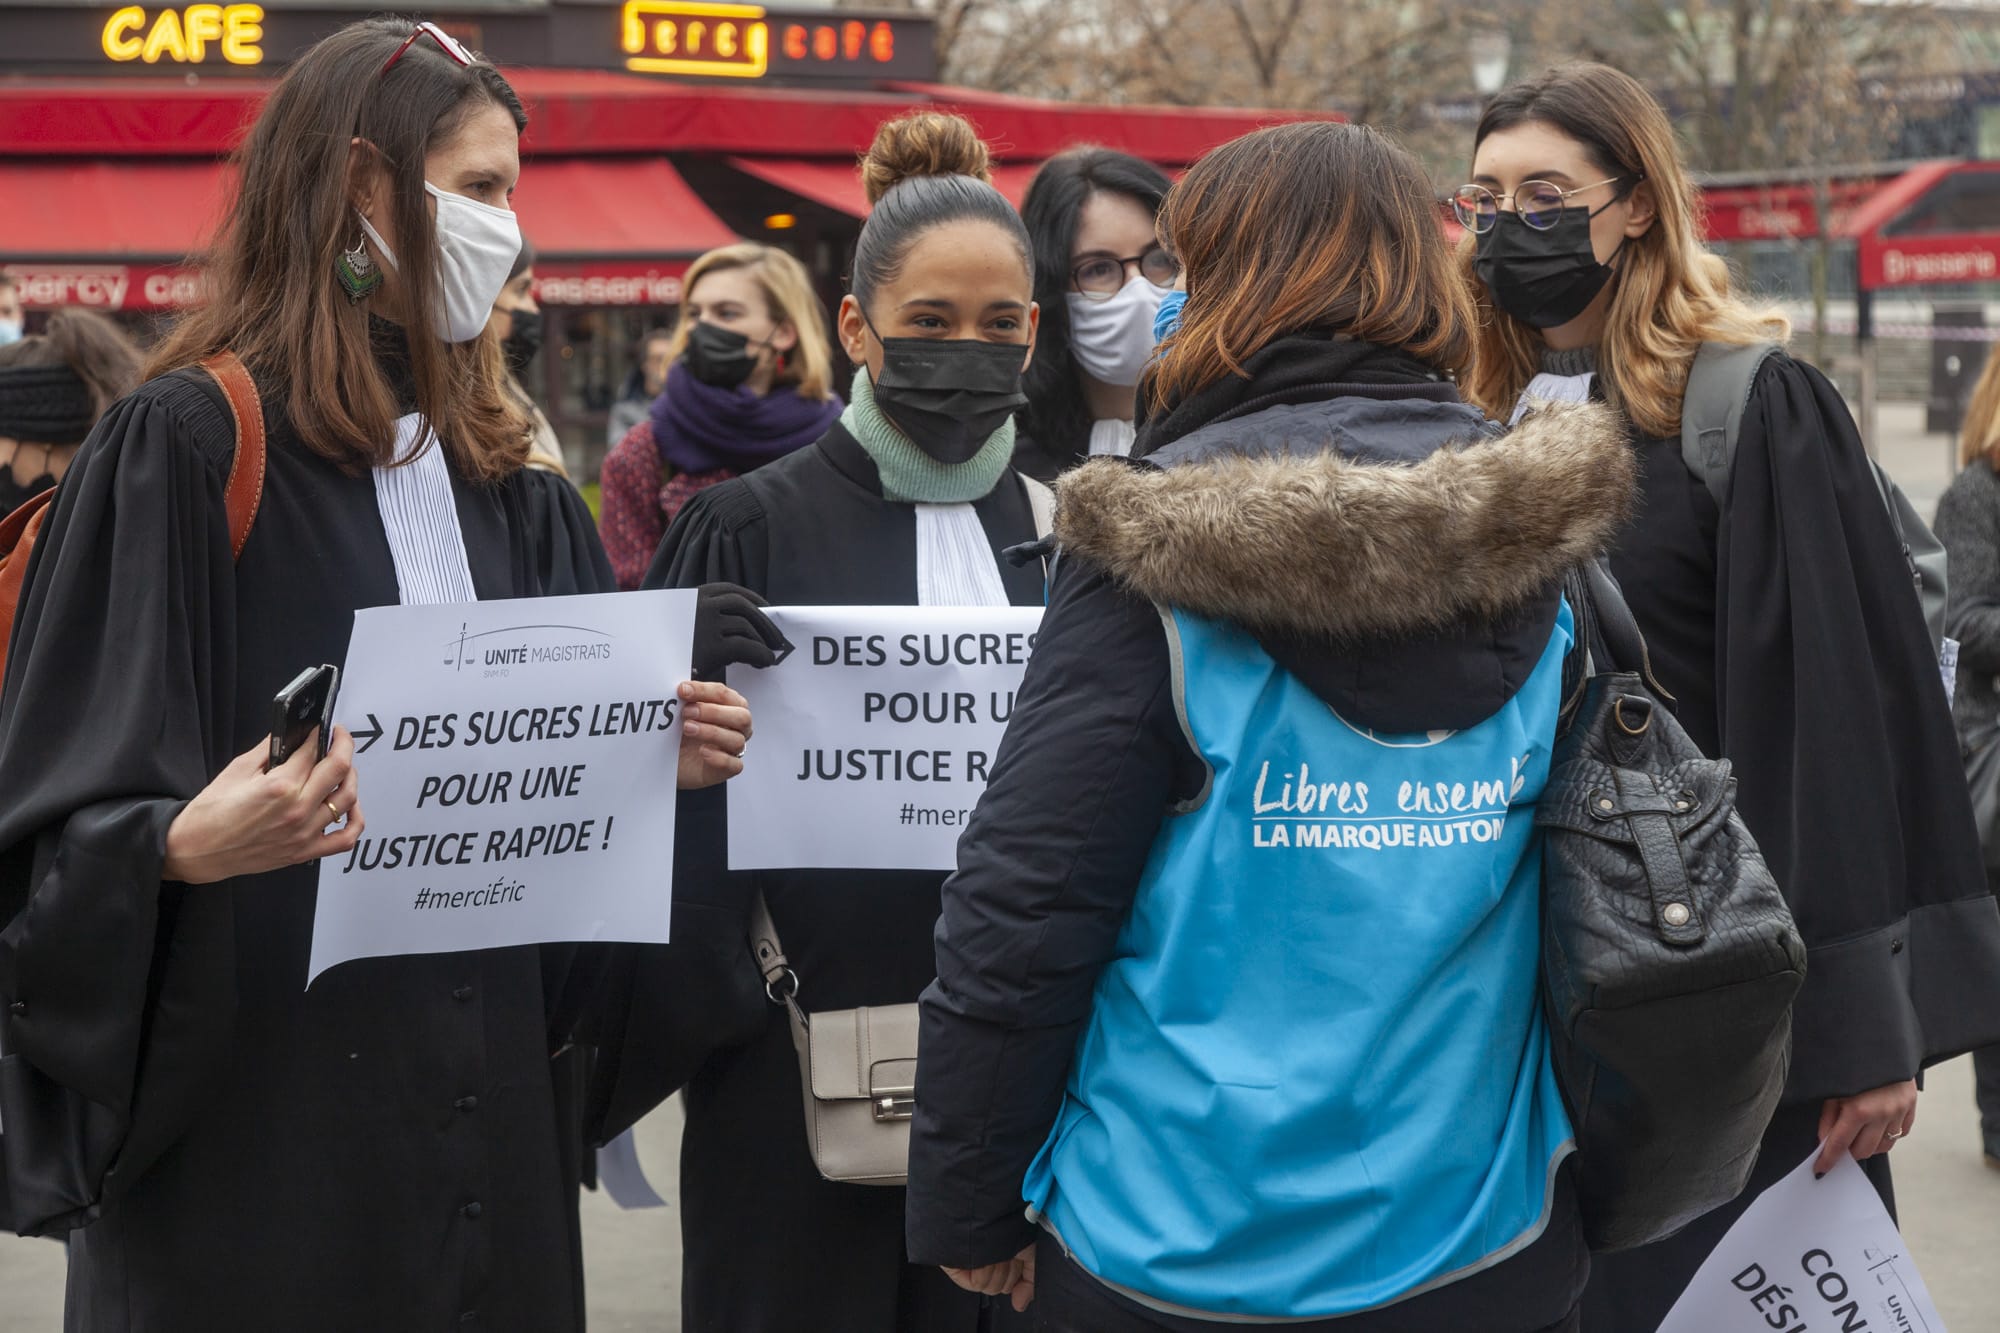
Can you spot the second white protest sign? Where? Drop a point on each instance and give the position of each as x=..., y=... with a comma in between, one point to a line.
x=875, y=737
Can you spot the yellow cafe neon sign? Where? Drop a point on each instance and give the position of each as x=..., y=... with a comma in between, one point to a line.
x=191, y=36
x=670, y=37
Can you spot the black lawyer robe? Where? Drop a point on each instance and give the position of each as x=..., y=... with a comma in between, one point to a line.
x=1786, y=624
x=381, y=1151
x=770, y=1247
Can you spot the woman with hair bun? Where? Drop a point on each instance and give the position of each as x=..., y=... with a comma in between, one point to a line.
x=907, y=500
x=1776, y=600
x=53, y=388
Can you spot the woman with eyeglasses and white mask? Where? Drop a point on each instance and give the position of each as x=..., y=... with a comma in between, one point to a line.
x=1781, y=617
x=1100, y=274
x=225, y=1148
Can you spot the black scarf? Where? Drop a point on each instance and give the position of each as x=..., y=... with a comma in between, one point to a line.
x=45, y=405
x=1297, y=368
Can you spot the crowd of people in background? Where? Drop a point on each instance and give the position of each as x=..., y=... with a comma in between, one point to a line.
x=1302, y=480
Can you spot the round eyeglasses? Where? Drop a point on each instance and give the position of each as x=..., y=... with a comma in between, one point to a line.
x=1539, y=204
x=1102, y=276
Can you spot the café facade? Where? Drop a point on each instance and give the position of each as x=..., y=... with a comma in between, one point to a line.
x=658, y=130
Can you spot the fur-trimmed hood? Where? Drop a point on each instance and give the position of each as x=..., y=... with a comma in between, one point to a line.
x=1256, y=522
x=1401, y=556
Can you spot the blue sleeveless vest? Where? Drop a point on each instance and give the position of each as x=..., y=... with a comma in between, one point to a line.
x=1316, y=1077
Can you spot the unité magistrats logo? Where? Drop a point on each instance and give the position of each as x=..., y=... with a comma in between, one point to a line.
x=496, y=652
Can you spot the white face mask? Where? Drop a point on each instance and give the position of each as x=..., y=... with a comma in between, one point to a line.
x=10, y=331
x=1112, y=339
x=477, y=245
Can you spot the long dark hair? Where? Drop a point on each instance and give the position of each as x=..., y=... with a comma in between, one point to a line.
x=1309, y=226
x=273, y=296
x=1057, y=418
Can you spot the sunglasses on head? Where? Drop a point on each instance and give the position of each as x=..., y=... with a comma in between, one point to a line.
x=446, y=43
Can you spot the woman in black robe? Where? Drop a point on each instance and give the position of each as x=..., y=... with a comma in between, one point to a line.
x=941, y=269
x=1783, y=621
x=225, y=1148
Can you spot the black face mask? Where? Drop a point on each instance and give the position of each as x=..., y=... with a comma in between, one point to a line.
x=1545, y=279
x=949, y=394
x=523, y=340
x=719, y=357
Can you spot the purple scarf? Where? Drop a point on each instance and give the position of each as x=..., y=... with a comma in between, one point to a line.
x=700, y=428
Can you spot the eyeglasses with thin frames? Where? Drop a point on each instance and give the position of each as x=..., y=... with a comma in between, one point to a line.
x=1540, y=204
x=1102, y=276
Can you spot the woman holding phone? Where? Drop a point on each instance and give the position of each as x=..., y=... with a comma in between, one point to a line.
x=225, y=1148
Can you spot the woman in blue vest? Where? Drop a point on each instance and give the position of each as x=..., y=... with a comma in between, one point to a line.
x=1235, y=1017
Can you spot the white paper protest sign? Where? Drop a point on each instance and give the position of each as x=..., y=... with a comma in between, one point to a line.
x=517, y=763
x=874, y=738
x=1809, y=1256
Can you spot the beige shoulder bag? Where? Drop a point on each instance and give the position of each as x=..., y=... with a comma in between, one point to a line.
x=857, y=1068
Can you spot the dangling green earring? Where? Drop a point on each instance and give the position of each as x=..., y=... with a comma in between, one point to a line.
x=358, y=273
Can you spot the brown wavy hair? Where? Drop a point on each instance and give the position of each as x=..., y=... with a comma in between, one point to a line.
x=273, y=297
x=1671, y=294
x=1308, y=226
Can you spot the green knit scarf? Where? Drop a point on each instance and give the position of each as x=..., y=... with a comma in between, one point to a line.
x=911, y=476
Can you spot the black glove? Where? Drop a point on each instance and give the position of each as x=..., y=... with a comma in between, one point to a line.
x=729, y=630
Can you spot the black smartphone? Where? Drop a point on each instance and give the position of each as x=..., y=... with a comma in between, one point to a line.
x=304, y=704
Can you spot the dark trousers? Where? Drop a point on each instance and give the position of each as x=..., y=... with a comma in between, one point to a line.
x=1631, y=1291
x=1986, y=1086
x=1069, y=1300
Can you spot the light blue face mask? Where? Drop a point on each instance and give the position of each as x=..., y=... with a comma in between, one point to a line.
x=1168, y=317
x=10, y=331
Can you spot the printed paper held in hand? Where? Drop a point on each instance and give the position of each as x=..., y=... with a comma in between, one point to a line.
x=874, y=738
x=518, y=765
x=1809, y=1256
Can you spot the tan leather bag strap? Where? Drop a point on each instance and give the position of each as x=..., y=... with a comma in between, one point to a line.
x=780, y=982
x=245, y=491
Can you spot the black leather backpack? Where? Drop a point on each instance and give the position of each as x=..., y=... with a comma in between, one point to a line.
x=1669, y=958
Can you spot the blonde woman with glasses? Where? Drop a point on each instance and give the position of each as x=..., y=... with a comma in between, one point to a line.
x=1780, y=616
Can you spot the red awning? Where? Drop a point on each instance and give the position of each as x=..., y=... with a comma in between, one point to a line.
x=109, y=210
x=612, y=231
x=836, y=185
x=1930, y=225
x=595, y=208
x=111, y=233
x=594, y=111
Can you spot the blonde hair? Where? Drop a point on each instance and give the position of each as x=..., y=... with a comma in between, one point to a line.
x=788, y=295
x=1979, y=437
x=1670, y=294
